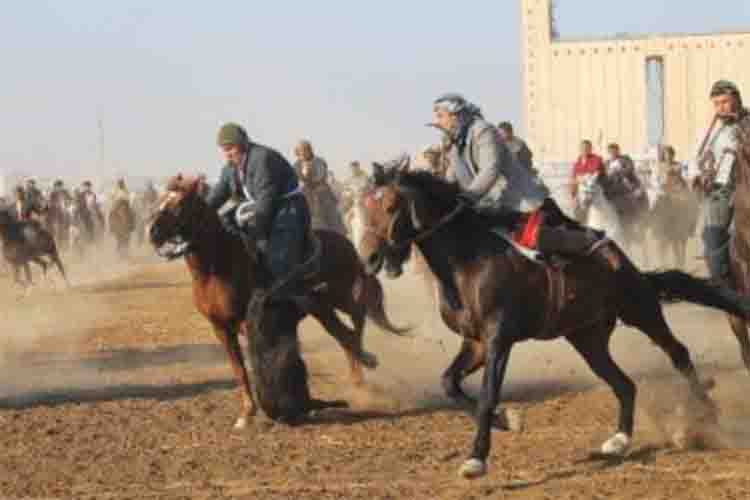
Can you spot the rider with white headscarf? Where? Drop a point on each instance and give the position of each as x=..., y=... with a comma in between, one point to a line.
x=491, y=178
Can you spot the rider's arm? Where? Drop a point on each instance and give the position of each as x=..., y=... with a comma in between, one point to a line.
x=491, y=158
x=221, y=191
x=267, y=191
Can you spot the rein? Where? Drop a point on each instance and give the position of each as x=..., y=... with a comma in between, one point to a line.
x=426, y=233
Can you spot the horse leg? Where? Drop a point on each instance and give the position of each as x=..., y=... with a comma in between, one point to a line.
x=41, y=263
x=55, y=256
x=739, y=327
x=350, y=341
x=659, y=332
x=228, y=337
x=469, y=359
x=27, y=274
x=500, y=343
x=593, y=345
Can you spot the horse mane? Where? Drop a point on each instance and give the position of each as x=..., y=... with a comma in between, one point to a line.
x=470, y=226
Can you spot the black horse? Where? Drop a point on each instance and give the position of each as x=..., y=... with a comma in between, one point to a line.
x=509, y=298
x=25, y=242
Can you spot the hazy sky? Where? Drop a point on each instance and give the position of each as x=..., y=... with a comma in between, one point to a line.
x=356, y=78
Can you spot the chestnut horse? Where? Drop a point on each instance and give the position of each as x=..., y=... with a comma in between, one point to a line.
x=225, y=277
x=509, y=298
x=740, y=242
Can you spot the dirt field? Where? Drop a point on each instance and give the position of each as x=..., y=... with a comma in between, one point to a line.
x=117, y=389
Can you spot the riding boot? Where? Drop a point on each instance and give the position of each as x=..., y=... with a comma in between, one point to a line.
x=583, y=243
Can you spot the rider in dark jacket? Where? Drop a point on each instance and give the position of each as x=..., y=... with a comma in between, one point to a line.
x=272, y=211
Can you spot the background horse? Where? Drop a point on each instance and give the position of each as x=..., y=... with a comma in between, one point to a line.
x=24, y=242
x=121, y=223
x=225, y=277
x=509, y=298
x=600, y=212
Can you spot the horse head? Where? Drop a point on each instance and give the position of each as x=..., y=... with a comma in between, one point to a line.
x=179, y=210
x=403, y=207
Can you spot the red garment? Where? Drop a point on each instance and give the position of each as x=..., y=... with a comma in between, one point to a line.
x=589, y=165
x=527, y=235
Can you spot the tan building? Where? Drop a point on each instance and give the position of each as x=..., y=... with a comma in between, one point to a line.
x=638, y=91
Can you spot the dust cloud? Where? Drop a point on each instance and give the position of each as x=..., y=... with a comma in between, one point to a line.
x=43, y=328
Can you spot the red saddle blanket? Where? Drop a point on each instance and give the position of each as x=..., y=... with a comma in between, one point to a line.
x=528, y=233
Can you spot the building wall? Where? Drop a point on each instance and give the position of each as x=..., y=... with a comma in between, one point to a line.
x=596, y=89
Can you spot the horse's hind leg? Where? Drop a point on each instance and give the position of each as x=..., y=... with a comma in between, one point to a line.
x=659, y=332
x=349, y=340
x=739, y=327
x=593, y=345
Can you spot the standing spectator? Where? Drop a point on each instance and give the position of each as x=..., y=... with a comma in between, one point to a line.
x=587, y=163
x=517, y=146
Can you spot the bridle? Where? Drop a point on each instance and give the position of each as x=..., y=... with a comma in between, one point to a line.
x=421, y=235
x=182, y=244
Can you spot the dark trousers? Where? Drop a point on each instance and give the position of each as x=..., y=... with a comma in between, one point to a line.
x=559, y=234
x=717, y=218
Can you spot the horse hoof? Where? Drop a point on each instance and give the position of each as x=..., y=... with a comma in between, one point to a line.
x=473, y=468
x=616, y=446
x=510, y=419
x=368, y=360
x=241, y=423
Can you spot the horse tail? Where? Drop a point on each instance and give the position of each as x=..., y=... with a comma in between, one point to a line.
x=375, y=304
x=678, y=286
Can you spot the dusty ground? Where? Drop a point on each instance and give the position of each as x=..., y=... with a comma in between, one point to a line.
x=117, y=389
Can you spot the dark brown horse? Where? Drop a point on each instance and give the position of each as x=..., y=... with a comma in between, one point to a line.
x=740, y=242
x=509, y=298
x=27, y=241
x=121, y=224
x=225, y=277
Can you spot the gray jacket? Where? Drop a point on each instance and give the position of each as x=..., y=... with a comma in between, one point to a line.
x=488, y=170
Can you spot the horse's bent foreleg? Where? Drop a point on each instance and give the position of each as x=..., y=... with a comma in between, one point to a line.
x=469, y=359
x=228, y=337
